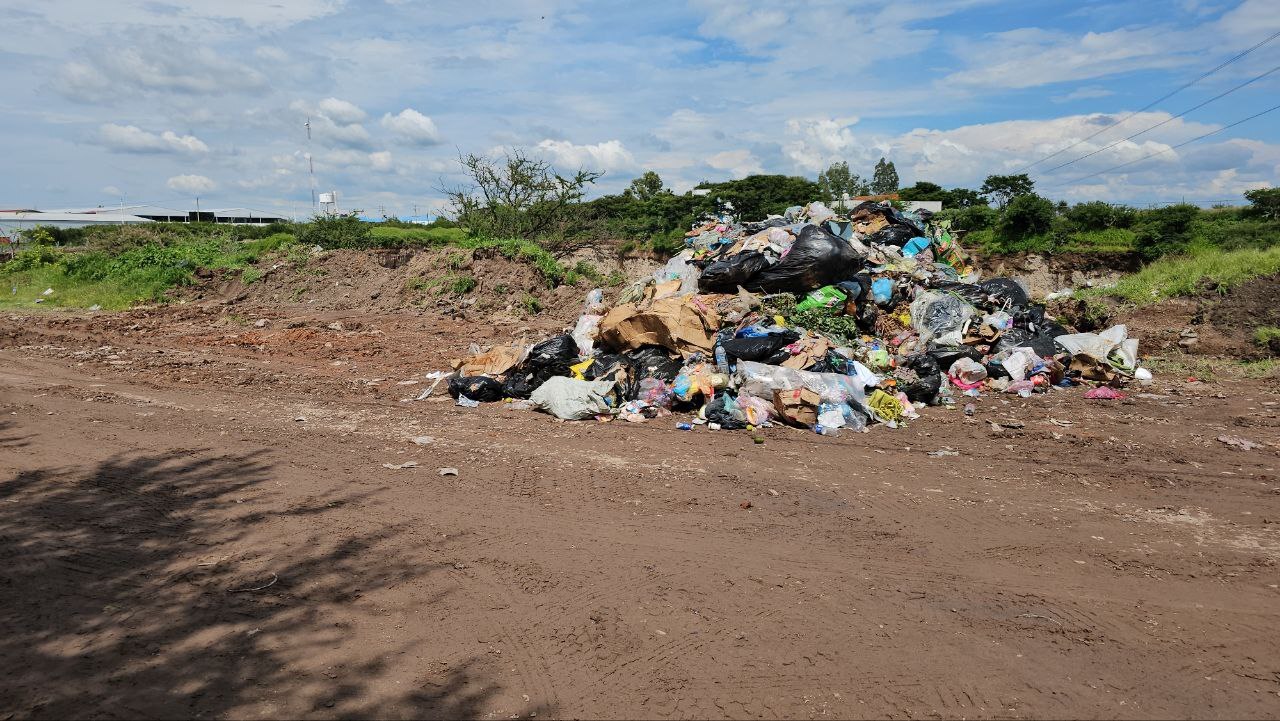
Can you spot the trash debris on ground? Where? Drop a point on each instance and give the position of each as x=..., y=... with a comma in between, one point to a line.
x=1241, y=443
x=447, y=471
x=821, y=318
x=399, y=466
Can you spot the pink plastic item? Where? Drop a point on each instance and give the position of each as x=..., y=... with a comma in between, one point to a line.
x=1104, y=393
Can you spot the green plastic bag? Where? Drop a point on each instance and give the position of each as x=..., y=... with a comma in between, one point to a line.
x=824, y=297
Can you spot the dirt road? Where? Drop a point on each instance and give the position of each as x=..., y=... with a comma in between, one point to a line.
x=196, y=520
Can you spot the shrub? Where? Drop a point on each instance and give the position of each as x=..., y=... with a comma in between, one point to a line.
x=1164, y=231
x=1025, y=216
x=337, y=231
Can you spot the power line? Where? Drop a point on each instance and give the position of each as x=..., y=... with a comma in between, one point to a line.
x=1168, y=149
x=1153, y=103
x=1166, y=120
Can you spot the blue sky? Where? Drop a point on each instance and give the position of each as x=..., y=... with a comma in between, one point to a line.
x=161, y=101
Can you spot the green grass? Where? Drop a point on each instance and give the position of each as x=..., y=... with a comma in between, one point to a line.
x=1112, y=240
x=250, y=275
x=1264, y=334
x=1186, y=275
x=116, y=280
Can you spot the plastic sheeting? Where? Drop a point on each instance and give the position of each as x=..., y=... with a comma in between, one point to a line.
x=940, y=318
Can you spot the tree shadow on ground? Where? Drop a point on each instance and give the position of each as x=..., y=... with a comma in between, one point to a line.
x=137, y=588
x=11, y=441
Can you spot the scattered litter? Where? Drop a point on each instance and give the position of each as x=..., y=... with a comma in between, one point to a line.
x=424, y=440
x=944, y=452
x=400, y=466
x=261, y=323
x=466, y=402
x=1104, y=393
x=47, y=291
x=447, y=471
x=1241, y=443
x=95, y=306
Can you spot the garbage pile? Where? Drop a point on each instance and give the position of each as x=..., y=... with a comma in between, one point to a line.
x=812, y=319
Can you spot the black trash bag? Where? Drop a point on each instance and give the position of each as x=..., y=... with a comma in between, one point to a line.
x=552, y=357
x=477, y=388
x=726, y=274
x=1051, y=329
x=895, y=235
x=817, y=258
x=518, y=386
x=604, y=366
x=1005, y=291
x=897, y=217
x=1012, y=338
x=779, y=222
x=856, y=288
x=759, y=348
x=716, y=413
x=946, y=355
x=971, y=293
x=995, y=369
x=654, y=361
x=1030, y=317
x=866, y=318
x=832, y=362
x=925, y=389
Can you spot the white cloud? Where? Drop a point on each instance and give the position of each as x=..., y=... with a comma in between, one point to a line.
x=111, y=190
x=738, y=163
x=153, y=65
x=132, y=139
x=341, y=111
x=609, y=155
x=325, y=129
x=191, y=184
x=380, y=160
x=1085, y=93
x=820, y=141
x=412, y=127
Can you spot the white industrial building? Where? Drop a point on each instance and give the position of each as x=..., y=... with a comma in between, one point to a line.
x=14, y=222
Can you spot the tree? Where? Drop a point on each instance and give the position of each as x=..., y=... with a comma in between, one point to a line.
x=1026, y=215
x=1164, y=231
x=517, y=197
x=1004, y=188
x=885, y=178
x=756, y=196
x=963, y=198
x=1264, y=203
x=837, y=181
x=645, y=187
x=924, y=190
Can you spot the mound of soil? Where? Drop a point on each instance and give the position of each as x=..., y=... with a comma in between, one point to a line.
x=379, y=281
x=1045, y=273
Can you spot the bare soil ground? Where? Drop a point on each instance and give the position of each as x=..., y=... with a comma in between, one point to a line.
x=196, y=520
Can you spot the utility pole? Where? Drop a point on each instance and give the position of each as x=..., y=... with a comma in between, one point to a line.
x=311, y=168
x=197, y=209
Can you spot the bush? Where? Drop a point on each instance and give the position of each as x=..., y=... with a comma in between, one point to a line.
x=1264, y=203
x=336, y=231
x=1098, y=215
x=1025, y=216
x=1164, y=231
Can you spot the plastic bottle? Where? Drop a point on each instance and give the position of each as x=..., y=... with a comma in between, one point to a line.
x=722, y=360
x=970, y=409
x=684, y=426
x=825, y=430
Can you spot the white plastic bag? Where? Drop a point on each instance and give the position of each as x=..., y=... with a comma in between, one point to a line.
x=584, y=333
x=572, y=399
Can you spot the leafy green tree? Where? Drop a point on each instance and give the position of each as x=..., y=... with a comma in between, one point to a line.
x=756, y=196
x=837, y=181
x=1099, y=215
x=1004, y=188
x=885, y=178
x=1164, y=231
x=963, y=198
x=1264, y=203
x=1025, y=216
x=517, y=197
x=645, y=187
x=924, y=190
